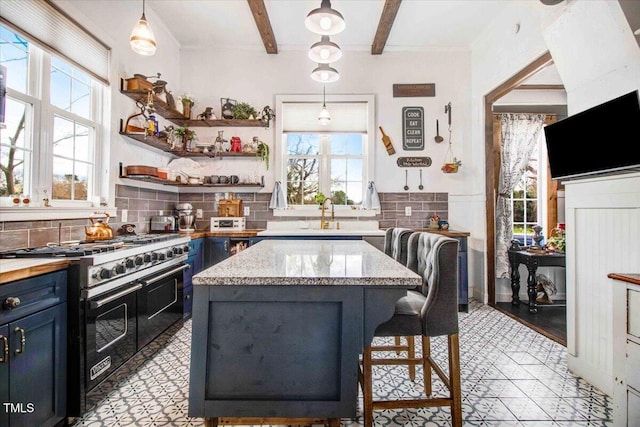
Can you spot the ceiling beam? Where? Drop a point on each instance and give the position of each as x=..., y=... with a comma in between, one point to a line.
x=539, y=87
x=261, y=17
x=384, y=26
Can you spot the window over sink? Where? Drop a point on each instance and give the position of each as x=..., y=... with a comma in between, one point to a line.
x=334, y=160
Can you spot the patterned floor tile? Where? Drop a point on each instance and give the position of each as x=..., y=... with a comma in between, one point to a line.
x=511, y=377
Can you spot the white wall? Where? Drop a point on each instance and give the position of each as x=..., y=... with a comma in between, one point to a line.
x=497, y=54
x=256, y=77
x=112, y=22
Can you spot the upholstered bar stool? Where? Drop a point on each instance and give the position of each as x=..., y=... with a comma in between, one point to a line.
x=396, y=240
x=435, y=258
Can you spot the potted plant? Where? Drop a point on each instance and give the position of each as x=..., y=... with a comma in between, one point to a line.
x=451, y=167
x=243, y=111
x=185, y=136
x=262, y=152
x=188, y=102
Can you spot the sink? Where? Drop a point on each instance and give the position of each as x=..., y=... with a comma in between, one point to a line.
x=312, y=228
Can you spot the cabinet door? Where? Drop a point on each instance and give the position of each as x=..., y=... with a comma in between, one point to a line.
x=216, y=250
x=198, y=256
x=39, y=371
x=4, y=373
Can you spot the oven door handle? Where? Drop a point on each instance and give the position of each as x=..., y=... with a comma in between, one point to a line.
x=167, y=274
x=107, y=300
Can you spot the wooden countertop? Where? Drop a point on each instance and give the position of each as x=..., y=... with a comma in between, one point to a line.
x=626, y=277
x=448, y=233
x=23, y=268
x=243, y=233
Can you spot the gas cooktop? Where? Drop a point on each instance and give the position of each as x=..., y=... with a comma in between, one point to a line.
x=85, y=247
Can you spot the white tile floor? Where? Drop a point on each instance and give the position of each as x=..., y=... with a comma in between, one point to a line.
x=511, y=376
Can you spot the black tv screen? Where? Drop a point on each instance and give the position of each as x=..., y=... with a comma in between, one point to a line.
x=603, y=139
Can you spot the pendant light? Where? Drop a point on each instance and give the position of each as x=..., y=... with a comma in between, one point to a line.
x=142, y=40
x=325, y=51
x=325, y=20
x=325, y=74
x=324, y=118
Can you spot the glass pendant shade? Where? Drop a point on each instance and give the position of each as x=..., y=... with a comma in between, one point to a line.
x=142, y=40
x=325, y=74
x=325, y=51
x=325, y=20
x=324, y=117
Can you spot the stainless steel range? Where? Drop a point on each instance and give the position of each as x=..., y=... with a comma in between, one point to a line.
x=122, y=294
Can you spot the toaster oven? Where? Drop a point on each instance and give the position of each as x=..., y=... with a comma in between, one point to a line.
x=228, y=223
x=163, y=224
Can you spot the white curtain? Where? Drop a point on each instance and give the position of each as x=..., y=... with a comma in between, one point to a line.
x=519, y=138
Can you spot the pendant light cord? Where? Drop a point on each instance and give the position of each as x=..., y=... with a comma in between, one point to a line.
x=323, y=96
x=143, y=17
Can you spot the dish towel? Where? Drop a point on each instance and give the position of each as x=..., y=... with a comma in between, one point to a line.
x=277, y=197
x=371, y=199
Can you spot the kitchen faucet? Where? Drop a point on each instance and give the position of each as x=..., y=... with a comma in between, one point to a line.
x=324, y=224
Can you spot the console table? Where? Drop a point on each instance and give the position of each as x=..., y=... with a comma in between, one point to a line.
x=532, y=260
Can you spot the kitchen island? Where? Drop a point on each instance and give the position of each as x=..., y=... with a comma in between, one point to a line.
x=278, y=328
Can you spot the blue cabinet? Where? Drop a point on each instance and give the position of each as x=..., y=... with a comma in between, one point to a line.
x=33, y=337
x=196, y=264
x=463, y=275
x=216, y=249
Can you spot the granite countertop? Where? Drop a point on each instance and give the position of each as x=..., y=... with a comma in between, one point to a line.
x=309, y=262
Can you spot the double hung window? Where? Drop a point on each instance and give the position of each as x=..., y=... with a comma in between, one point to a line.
x=335, y=160
x=52, y=123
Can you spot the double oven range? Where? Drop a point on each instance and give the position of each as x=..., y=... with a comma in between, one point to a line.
x=121, y=295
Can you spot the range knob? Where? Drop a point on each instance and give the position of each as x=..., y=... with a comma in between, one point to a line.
x=104, y=273
x=130, y=263
x=120, y=268
x=186, y=249
x=139, y=260
x=178, y=250
x=160, y=256
x=169, y=253
x=156, y=256
x=146, y=258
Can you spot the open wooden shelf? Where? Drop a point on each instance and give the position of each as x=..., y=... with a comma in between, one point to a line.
x=163, y=145
x=175, y=116
x=154, y=180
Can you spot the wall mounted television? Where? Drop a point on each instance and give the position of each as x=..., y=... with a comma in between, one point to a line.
x=604, y=139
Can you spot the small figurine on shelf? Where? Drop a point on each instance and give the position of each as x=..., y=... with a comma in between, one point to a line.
x=152, y=126
x=207, y=114
x=236, y=144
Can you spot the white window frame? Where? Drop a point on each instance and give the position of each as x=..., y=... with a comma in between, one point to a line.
x=541, y=191
x=280, y=163
x=41, y=134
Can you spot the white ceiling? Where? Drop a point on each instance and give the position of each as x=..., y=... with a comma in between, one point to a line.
x=419, y=24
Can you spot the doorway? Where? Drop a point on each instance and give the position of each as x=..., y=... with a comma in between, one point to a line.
x=551, y=322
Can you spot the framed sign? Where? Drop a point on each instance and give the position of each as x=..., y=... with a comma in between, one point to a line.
x=414, y=162
x=413, y=128
x=414, y=90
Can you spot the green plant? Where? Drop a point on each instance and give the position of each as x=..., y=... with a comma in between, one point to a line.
x=243, y=111
x=320, y=197
x=262, y=153
x=184, y=133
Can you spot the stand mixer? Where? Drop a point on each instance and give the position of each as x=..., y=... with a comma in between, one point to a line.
x=186, y=219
